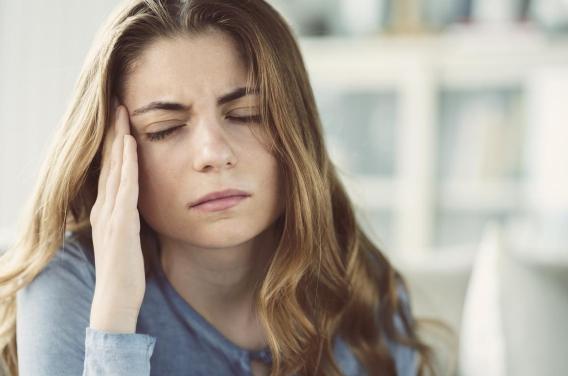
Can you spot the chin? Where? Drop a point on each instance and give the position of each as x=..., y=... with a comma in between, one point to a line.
x=223, y=236
x=220, y=242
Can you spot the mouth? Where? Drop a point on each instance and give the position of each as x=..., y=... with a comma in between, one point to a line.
x=219, y=204
x=219, y=200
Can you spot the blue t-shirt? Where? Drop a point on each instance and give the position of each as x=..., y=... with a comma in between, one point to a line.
x=54, y=337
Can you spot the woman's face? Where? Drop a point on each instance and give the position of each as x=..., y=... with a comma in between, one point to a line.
x=208, y=147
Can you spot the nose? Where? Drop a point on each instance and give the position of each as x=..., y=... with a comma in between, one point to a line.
x=212, y=149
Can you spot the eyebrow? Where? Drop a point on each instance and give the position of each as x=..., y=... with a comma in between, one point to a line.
x=174, y=106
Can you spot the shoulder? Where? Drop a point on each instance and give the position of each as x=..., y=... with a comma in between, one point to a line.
x=68, y=279
x=71, y=264
x=405, y=357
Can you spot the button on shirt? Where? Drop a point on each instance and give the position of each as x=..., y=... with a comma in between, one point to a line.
x=172, y=338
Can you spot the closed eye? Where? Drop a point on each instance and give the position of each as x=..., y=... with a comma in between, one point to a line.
x=156, y=136
x=245, y=119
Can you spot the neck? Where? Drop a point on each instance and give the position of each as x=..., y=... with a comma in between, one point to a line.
x=218, y=282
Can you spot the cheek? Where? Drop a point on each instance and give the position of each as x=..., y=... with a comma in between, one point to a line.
x=156, y=178
x=271, y=180
x=273, y=177
x=258, y=160
x=159, y=191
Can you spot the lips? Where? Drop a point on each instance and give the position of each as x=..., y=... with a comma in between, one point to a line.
x=220, y=194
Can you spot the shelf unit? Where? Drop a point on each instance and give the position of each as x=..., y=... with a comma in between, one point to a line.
x=416, y=70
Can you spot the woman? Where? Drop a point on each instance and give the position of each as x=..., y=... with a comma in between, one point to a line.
x=189, y=219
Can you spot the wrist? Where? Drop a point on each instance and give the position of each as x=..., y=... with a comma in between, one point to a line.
x=112, y=318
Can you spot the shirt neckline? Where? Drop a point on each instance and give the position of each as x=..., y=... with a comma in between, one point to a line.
x=209, y=330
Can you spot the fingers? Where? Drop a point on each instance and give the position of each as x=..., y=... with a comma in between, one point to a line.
x=105, y=155
x=105, y=163
x=116, y=160
x=127, y=195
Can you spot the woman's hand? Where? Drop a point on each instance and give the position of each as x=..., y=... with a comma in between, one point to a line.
x=115, y=222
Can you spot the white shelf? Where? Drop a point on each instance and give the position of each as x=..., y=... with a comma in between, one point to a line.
x=379, y=193
x=417, y=69
x=480, y=196
x=462, y=59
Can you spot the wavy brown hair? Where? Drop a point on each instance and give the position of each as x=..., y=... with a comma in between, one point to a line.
x=325, y=278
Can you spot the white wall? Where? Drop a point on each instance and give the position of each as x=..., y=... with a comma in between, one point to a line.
x=42, y=47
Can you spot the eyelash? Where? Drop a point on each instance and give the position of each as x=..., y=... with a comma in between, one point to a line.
x=156, y=136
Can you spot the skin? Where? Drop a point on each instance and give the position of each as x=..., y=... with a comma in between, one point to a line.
x=212, y=259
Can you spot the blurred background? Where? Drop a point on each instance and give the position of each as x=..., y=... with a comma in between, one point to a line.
x=448, y=122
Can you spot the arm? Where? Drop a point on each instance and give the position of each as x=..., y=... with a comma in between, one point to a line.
x=53, y=333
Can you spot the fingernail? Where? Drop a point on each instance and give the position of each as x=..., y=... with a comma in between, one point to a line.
x=114, y=103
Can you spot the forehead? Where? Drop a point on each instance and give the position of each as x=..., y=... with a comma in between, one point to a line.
x=184, y=66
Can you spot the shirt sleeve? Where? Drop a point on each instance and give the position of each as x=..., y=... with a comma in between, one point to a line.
x=52, y=325
x=117, y=353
